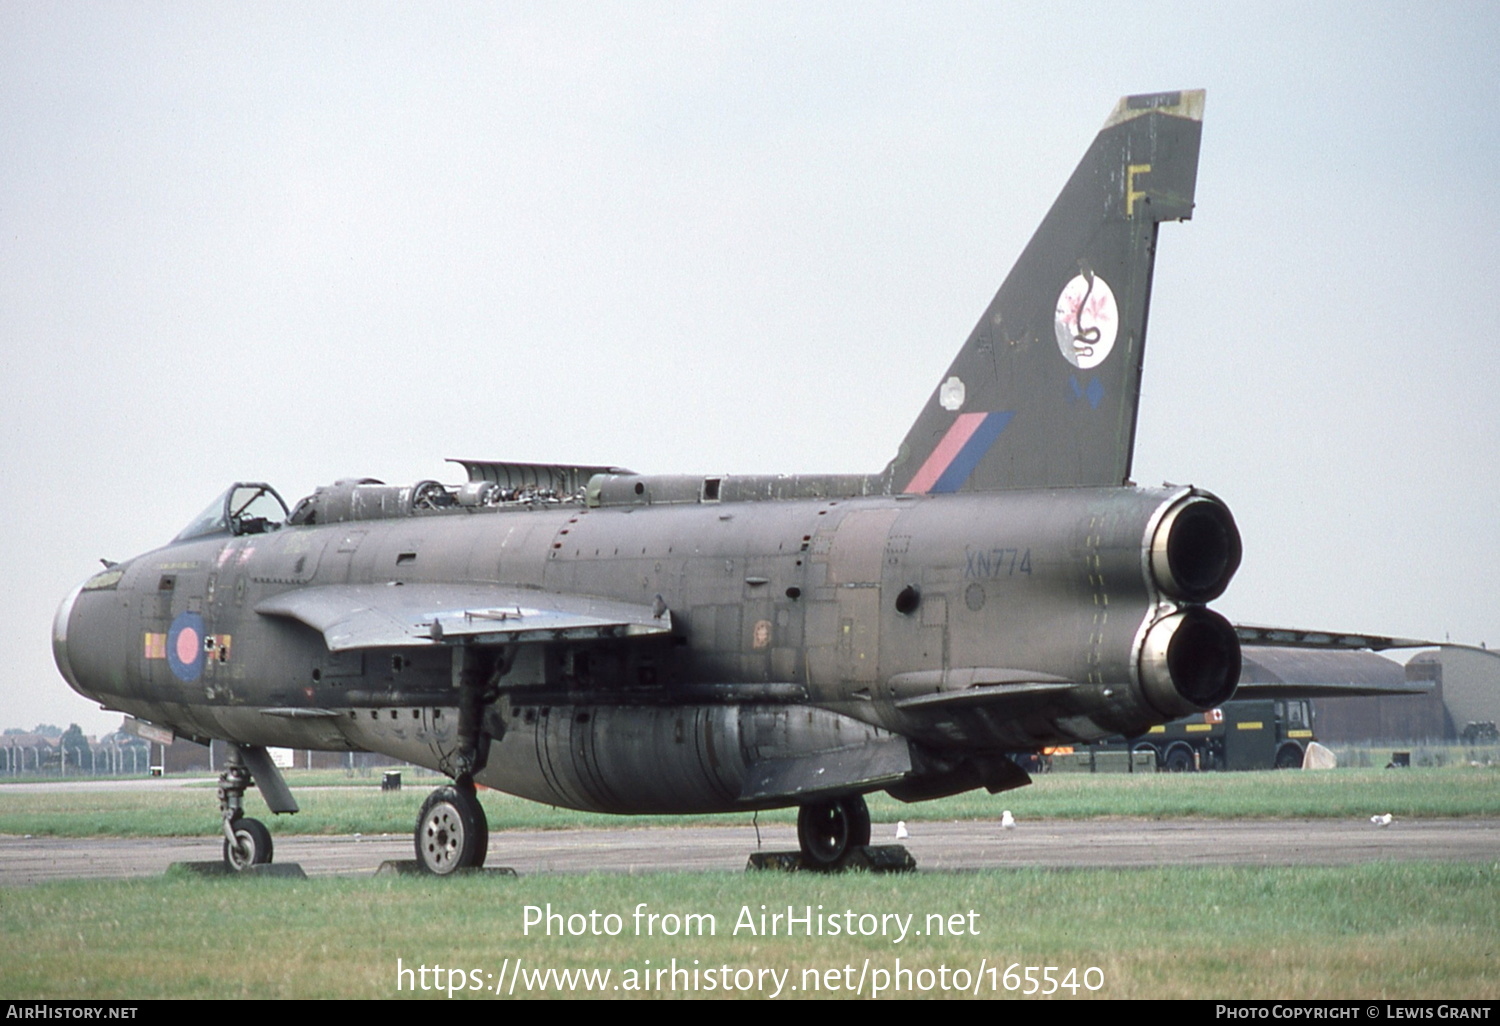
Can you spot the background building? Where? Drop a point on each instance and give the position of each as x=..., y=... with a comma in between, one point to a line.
x=1464, y=699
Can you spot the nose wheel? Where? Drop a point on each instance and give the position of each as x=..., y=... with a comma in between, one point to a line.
x=828, y=831
x=247, y=842
x=251, y=846
x=452, y=831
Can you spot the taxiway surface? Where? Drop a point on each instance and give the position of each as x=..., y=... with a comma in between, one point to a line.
x=936, y=846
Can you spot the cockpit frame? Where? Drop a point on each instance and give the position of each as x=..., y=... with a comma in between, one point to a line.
x=245, y=507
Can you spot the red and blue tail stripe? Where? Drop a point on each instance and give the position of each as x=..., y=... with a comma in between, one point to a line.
x=956, y=456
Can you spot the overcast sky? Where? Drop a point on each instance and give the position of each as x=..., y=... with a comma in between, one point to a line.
x=297, y=242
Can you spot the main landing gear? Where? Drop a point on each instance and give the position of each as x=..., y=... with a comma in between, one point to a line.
x=452, y=831
x=829, y=830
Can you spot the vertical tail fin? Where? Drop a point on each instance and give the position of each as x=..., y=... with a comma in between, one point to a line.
x=1044, y=392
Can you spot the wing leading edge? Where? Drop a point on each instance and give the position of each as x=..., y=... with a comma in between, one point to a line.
x=355, y=616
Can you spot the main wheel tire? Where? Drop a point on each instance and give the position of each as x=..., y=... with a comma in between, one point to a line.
x=452, y=832
x=1289, y=756
x=828, y=831
x=252, y=845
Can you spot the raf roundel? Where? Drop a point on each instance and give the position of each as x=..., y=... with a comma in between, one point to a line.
x=185, y=647
x=1087, y=321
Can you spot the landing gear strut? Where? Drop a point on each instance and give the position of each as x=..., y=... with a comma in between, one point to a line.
x=247, y=842
x=829, y=830
x=452, y=831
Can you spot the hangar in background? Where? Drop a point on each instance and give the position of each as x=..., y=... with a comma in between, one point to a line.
x=1464, y=703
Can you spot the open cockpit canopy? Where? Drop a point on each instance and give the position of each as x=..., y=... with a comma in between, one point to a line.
x=245, y=507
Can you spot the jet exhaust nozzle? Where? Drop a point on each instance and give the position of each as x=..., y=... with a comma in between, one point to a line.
x=1195, y=549
x=1190, y=662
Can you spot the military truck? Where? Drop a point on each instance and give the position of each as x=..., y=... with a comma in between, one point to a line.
x=1238, y=735
x=1246, y=734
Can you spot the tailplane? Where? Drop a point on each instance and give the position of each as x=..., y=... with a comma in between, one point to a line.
x=1044, y=393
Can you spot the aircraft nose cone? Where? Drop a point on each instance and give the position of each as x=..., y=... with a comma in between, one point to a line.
x=60, y=639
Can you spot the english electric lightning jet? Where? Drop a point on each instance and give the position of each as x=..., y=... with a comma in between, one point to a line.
x=599, y=639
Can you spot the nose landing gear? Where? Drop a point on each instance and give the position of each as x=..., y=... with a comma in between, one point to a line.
x=247, y=842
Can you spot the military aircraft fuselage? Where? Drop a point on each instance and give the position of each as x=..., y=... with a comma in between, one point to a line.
x=596, y=638
x=967, y=625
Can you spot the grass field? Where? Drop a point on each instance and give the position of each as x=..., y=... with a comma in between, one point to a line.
x=1384, y=930
x=1374, y=931
x=362, y=807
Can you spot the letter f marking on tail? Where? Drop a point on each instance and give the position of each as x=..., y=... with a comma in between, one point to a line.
x=1131, y=193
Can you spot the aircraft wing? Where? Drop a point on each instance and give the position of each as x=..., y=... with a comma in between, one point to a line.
x=1319, y=665
x=1019, y=698
x=353, y=616
x=1280, y=662
x=1009, y=692
x=1281, y=672
x=1252, y=636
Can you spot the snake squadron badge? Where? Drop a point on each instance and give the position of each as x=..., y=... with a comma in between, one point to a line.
x=1087, y=320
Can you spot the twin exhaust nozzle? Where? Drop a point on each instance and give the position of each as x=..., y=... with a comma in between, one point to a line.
x=1190, y=660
